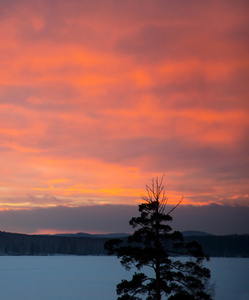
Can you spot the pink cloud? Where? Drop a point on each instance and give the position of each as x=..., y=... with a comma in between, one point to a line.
x=109, y=95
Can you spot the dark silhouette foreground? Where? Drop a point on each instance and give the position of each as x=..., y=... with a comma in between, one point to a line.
x=154, y=245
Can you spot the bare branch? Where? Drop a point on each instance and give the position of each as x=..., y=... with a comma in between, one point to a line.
x=175, y=206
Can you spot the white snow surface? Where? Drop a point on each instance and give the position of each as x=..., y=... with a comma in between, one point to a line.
x=96, y=277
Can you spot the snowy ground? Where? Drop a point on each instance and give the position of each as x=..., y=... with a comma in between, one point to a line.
x=91, y=277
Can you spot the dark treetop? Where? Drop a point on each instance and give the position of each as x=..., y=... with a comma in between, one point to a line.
x=153, y=245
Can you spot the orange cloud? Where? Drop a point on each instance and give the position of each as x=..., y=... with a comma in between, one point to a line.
x=95, y=100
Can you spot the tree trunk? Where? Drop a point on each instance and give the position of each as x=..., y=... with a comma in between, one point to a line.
x=158, y=279
x=158, y=288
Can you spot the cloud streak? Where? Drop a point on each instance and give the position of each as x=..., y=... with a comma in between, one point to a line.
x=215, y=219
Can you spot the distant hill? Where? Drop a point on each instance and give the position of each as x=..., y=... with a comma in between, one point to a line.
x=87, y=244
x=121, y=235
x=24, y=244
x=112, y=235
x=79, y=234
x=195, y=233
x=101, y=235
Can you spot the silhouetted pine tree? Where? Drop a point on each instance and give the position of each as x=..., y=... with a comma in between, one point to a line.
x=154, y=245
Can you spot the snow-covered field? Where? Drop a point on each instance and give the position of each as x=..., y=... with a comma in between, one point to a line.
x=95, y=277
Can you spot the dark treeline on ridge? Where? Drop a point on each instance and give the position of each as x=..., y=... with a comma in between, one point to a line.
x=24, y=244
x=223, y=246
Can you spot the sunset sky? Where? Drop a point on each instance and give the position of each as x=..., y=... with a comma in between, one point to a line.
x=99, y=97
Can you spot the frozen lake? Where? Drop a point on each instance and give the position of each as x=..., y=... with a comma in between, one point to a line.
x=95, y=277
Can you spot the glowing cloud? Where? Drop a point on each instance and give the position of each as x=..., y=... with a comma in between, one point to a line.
x=97, y=98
